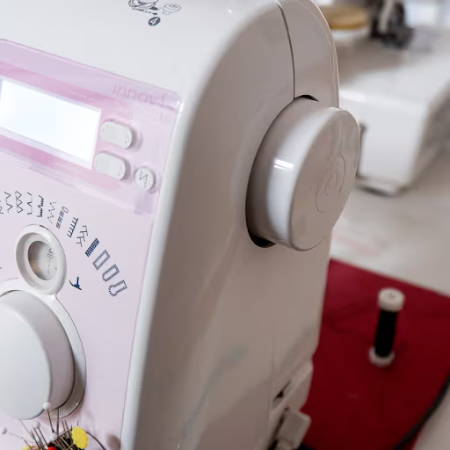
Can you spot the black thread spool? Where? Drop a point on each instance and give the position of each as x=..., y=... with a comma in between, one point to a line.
x=391, y=302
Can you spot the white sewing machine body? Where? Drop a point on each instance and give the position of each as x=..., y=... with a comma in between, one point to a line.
x=402, y=99
x=184, y=333
x=434, y=13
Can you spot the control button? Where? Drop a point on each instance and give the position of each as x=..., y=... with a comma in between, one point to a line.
x=145, y=178
x=110, y=165
x=117, y=134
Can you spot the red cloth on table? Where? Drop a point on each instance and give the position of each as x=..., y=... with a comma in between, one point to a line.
x=353, y=404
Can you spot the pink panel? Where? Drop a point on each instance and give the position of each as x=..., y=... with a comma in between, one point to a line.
x=103, y=225
x=150, y=111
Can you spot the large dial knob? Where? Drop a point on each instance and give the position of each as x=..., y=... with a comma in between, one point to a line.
x=303, y=174
x=35, y=357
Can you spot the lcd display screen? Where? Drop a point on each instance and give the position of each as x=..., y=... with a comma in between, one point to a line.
x=64, y=127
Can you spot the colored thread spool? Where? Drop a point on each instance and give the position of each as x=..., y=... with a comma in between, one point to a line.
x=346, y=16
x=391, y=302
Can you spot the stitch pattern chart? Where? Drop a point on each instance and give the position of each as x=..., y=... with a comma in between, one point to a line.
x=83, y=234
x=9, y=205
x=41, y=206
x=72, y=227
x=30, y=204
x=62, y=214
x=51, y=212
x=92, y=247
x=17, y=203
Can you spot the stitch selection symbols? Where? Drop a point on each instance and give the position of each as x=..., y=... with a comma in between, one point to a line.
x=76, y=285
x=15, y=202
x=155, y=9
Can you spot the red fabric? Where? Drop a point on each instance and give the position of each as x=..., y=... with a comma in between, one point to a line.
x=355, y=405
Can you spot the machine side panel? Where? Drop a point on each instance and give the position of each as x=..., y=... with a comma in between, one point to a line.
x=192, y=350
x=314, y=51
x=208, y=363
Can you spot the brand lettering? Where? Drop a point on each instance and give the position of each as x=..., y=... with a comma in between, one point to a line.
x=133, y=94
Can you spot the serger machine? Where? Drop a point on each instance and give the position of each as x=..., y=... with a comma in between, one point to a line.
x=396, y=81
x=170, y=174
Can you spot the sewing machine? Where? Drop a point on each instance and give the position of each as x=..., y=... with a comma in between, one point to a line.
x=395, y=79
x=170, y=175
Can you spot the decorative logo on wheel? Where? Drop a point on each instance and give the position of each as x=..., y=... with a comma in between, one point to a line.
x=155, y=9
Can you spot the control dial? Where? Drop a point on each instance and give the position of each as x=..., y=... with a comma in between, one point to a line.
x=303, y=174
x=36, y=358
x=41, y=259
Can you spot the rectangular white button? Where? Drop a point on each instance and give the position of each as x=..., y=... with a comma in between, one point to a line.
x=110, y=165
x=116, y=134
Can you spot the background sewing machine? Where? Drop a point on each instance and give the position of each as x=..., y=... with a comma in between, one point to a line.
x=395, y=79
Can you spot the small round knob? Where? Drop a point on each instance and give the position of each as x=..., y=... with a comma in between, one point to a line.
x=303, y=174
x=35, y=357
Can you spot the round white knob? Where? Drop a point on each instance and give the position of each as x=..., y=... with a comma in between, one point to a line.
x=303, y=174
x=35, y=357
